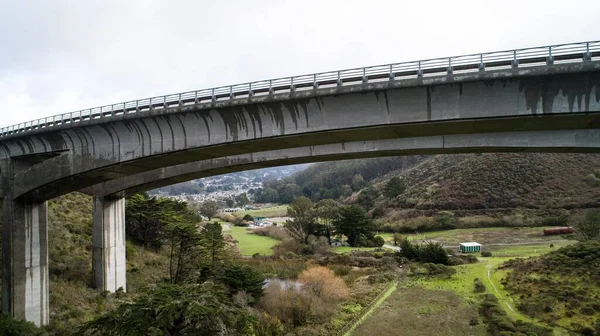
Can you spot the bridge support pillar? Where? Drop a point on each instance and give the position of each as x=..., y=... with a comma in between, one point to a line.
x=25, y=282
x=108, y=239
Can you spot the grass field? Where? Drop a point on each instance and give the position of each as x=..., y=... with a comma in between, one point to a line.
x=419, y=311
x=250, y=244
x=418, y=292
x=276, y=211
x=493, y=235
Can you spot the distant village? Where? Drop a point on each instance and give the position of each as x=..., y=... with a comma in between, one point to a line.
x=224, y=187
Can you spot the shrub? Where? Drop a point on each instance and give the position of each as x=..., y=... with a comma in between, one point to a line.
x=592, y=180
x=289, y=306
x=486, y=254
x=479, y=286
x=323, y=283
x=288, y=245
x=340, y=270
x=275, y=232
x=11, y=327
x=446, y=220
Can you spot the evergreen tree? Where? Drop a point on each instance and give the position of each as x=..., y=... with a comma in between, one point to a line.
x=354, y=223
x=212, y=245
x=169, y=309
x=367, y=197
x=184, y=253
x=394, y=187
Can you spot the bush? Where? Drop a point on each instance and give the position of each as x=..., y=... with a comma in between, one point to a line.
x=275, y=232
x=340, y=270
x=479, y=286
x=486, y=254
x=11, y=327
x=323, y=283
x=446, y=220
x=288, y=245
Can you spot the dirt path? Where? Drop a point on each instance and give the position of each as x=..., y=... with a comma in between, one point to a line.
x=499, y=296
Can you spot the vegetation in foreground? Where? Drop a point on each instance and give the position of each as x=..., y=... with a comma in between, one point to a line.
x=561, y=288
x=420, y=311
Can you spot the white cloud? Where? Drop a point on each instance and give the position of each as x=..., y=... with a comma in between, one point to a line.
x=66, y=55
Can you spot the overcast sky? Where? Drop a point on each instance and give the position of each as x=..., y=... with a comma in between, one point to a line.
x=60, y=56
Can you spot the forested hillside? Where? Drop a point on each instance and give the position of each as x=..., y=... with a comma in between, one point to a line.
x=334, y=179
x=476, y=183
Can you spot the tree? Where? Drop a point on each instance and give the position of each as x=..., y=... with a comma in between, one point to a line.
x=588, y=226
x=367, y=197
x=446, y=220
x=209, y=208
x=242, y=199
x=12, y=327
x=184, y=253
x=327, y=211
x=303, y=222
x=169, y=309
x=147, y=218
x=358, y=182
x=240, y=277
x=229, y=202
x=212, y=245
x=289, y=192
x=394, y=187
x=345, y=190
x=268, y=195
x=397, y=238
x=354, y=223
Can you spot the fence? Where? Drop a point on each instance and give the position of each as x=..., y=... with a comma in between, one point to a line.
x=548, y=55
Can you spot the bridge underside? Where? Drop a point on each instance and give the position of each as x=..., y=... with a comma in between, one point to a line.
x=561, y=141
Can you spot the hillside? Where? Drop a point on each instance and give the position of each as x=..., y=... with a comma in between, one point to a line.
x=560, y=288
x=464, y=183
x=492, y=181
x=72, y=300
x=334, y=179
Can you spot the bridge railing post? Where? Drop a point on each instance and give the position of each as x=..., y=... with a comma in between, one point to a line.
x=587, y=56
x=419, y=71
x=481, y=64
x=339, y=78
x=550, y=59
x=515, y=61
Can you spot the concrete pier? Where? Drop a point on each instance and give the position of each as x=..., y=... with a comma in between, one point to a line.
x=108, y=239
x=25, y=282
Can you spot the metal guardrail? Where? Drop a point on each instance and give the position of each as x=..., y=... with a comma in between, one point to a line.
x=518, y=58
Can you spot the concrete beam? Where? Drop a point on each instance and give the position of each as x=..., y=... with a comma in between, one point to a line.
x=109, y=264
x=25, y=282
x=583, y=141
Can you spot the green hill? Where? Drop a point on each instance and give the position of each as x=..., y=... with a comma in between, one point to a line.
x=467, y=184
x=561, y=288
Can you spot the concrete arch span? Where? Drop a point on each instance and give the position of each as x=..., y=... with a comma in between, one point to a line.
x=572, y=141
x=94, y=152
